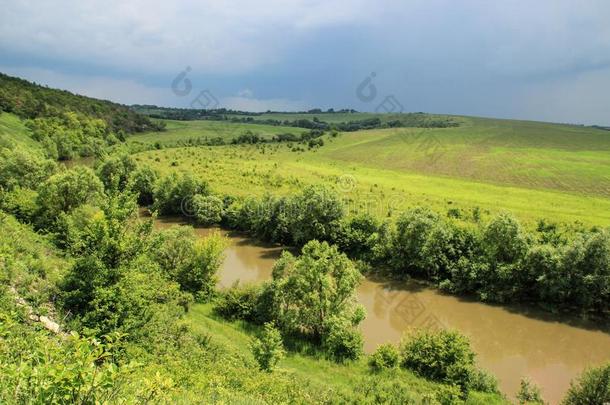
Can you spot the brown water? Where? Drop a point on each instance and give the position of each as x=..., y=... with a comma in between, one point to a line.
x=510, y=342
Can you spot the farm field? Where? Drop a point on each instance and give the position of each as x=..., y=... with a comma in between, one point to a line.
x=535, y=170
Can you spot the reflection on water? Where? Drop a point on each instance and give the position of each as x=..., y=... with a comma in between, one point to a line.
x=508, y=343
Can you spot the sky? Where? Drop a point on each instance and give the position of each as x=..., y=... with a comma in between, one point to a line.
x=543, y=60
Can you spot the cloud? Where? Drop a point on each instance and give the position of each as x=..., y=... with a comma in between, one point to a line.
x=160, y=36
x=468, y=57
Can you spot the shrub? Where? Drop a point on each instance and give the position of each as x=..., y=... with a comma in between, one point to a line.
x=63, y=192
x=592, y=387
x=529, y=393
x=443, y=356
x=191, y=262
x=342, y=342
x=21, y=202
x=115, y=171
x=238, y=302
x=142, y=182
x=268, y=350
x=23, y=169
x=315, y=214
x=207, y=209
x=505, y=241
x=314, y=288
x=412, y=230
x=173, y=193
x=385, y=357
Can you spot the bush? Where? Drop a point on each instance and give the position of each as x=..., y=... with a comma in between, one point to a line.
x=268, y=350
x=443, y=356
x=115, y=171
x=342, y=342
x=173, y=194
x=142, y=182
x=592, y=387
x=238, y=302
x=505, y=241
x=529, y=393
x=207, y=209
x=21, y=202
x=63, y=192
x=385, y=357
x=412, y=230
x=20, y=168
x=190, y=261
x=315, y=288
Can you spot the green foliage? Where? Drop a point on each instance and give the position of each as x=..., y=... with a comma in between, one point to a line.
x=65, y=191
x=443, y=356
x=505, y=240
x=315, y=215
x=20, y=168
x=315, y=290
x=115, y=171
x=238, y=302
x=208, y=210
x=268, y=350
x=592, y=387
x=191, y=262
x=358, y=236
x=173, y=194
x=29, y=100
x=142, y=183
x=529, y=393
x=342, y=341
x=385, y=357
x=20, y=202
x=78, y=371
x=412, y=230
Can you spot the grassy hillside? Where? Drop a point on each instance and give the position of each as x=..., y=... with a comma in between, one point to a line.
x=14, y=133
x=536, y=170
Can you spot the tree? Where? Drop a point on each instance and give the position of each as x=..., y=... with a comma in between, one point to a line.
x=268, y=350
x=505, y=241
x=19, y=168
x=116, y=170
x=63, y=192
x=207, y=209
x=315, y=214
x=142, y=182
x=314, y=288
x=191, y=262
x=173, y=194
x=412, y=230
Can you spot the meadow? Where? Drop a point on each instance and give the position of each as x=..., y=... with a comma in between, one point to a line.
x=177, y=131
x=534, y=170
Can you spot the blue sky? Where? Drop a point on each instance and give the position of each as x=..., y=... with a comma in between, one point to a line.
x=544, y=60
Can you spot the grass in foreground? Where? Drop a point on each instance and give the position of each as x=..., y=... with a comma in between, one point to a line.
x=316, y=371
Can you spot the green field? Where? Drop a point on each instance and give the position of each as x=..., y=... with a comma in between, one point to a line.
x=535, y=170
x=184, y=130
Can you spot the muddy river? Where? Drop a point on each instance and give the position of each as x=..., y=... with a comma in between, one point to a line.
x=510, y=342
